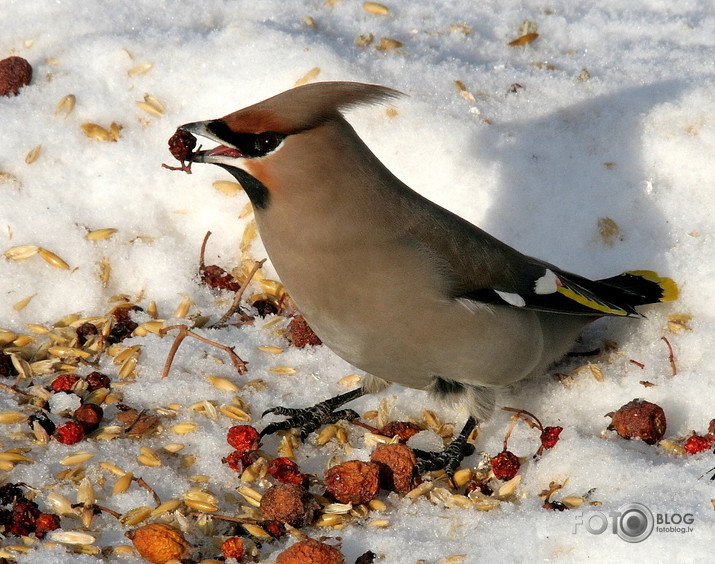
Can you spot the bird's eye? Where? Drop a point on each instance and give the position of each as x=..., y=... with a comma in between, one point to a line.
x=267, y=142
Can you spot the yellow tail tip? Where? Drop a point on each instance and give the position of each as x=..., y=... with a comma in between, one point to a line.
x=667, y=285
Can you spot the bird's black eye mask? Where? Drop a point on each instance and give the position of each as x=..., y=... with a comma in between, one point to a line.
x=247, y=145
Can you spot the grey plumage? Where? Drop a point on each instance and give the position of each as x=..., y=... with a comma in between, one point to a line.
x=393, y=283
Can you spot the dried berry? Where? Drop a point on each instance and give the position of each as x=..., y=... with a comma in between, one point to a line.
x=285, y=470
x=696, y=444
x=483, y=488
x=300, y=334
x=353, y=481
x=9, y=493
x=233, y=547
x=311, y=551
x=64, y=382
x=368, y=557
x=24, y=518
x=69, y=433
x=15, y=72
x=505, y=465
x=244, y=438
x=265, y=307
x=216, y=277
x=43, y=420
x=550, y=436
x=181, y=146
x=275, y=528
x=45, y=523
x=290, y=504
x=402, y=429
x=238, y=461
x=159, y=543
x=89, y=416
x=397, y=466
x=123, y=325
x=7, y=369
x=97, y=380
x=711, y=430
x=639, y=419
x=84, y=331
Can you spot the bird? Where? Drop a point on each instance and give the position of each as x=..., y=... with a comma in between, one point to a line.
x=393, y=283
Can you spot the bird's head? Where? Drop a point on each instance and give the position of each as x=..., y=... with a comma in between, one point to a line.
x=265, y=144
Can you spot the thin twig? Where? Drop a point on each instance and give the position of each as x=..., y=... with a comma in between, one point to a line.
x=202, y=265
x=671, y=356
x=14, y=390
x=184, y=332
x=147, y=487
x=237, y=298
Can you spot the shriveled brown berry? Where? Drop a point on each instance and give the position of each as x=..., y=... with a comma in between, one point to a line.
x=310, y=551
x=639, y=419
x=289, y=503
x=159, y=543
x=353, y=481
x=123, y=325
x=285, y=470
x=45, y=523
x=300, y=334
x=402, y=429
x=69, y=433
x=84, y=331
x=181, y=145
x=505, y=465
x=89, y=416
x=64, y=382
x=216, y=277
x=233, y=547
x=97, y=380
x=24, y=518
x=15, y=72
x=397, y=466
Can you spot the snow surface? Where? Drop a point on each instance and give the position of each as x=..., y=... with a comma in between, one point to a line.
x=538, y=167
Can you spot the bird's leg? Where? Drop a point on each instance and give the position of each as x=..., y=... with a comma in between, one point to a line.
x=309, y=419
x=449, y=458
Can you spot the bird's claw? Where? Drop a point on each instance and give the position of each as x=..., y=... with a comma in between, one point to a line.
x=449, y=458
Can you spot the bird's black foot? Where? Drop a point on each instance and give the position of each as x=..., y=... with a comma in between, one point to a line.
x=309, y=419
x=449, y=458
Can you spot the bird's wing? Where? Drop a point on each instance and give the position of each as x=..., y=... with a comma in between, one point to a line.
x=483, y=269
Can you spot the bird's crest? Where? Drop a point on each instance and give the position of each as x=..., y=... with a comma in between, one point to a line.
x=306, y=106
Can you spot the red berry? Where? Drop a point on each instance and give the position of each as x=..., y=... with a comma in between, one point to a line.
x=89, y=416
x=274, y=528
x=46, y=522
x=15, y=72
x=243, y=438
x=64, y=382
x=233, y=547
x=550, y=436
x=69, y=433
x=285, y=470
x=238, y=461
x=505, y=465
x=24, y=518
x=97, y=380
x=696, y=444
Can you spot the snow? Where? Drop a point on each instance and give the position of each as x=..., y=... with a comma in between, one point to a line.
x=633, y=140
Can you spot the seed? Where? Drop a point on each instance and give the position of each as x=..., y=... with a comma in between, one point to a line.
x=326, y=433
x=375, y=8
x=253, y=471
x=197, y=494
x=205, y=408
x=223, y=384
x=364, y=39
x=122, y=354
x=227, y=187
x=85, y=492
x=37, y=328
x=140, y=69
x=234, y=412
x=10, y=417
x=183, y=308
x=123, y=483
x=12, y=456
x=573, y=501
x=330, y=520
x=461, y=477
x=307, y=77
x=372, y=414
x=148, y=457
x=285, y=447
x=65, y=105
x=34, y=153
x=250, y=495
x=509, y=488
x=94, y=131
x=60, y=504
x=249, y=234
x=187, y=461
x=524, y=39
x=71, y=537
x=379, y=523
x=463, y=91
x=420, y=490
x=113, y=468
x=285, y=370
x=201, y=505
x=98, y=234
x=68, y=352
x=184, y=427
x=256, y=531
x=6, y=337
x=165, y=507
x=377, y=505
x=135, y=516
x=77, y=458
x=174, y=447
x=309, y=21
x=21, y=252
x=387, y=44
x=53, y=259
x=126, y=371
x=153, y=326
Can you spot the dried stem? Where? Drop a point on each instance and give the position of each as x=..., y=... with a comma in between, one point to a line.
x=202, y=265
x=184, y=332
x=14, y=390
x=147, y=487
x=671, y=356
x=237, y=298
x=241, y=520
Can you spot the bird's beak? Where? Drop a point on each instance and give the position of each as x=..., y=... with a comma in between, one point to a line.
x=223, y=154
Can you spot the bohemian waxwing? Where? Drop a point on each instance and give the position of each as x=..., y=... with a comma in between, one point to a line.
x=393, y=283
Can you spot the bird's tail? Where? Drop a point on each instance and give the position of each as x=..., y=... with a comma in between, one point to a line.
x=643, y=287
